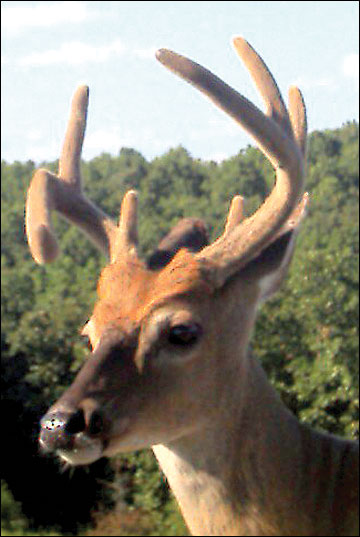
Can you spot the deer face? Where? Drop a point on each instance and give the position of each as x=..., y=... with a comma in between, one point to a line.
x=152, y=337
x=163, y=337
x=158, y=354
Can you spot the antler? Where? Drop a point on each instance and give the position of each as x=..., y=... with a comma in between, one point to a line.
x=63, y=192
x=282, y=138
x=126, y=238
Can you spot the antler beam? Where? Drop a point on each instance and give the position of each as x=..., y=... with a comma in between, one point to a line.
x=63, y=193
x=280, y=137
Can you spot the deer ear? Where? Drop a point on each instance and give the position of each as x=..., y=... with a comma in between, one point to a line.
x=190, y=233
x=270, y=267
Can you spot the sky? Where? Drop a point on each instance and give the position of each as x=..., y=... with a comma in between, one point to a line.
x=48, y=48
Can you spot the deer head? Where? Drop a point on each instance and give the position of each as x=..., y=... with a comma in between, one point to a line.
x=167, y=334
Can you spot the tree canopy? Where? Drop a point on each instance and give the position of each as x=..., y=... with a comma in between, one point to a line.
x=306, y=336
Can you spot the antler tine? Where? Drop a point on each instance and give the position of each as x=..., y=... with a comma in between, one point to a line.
x=63, y=192
x=265, y=83
x=126, y=234
x=298, y=117
x=274, y=136
x=42, y=242
x=235, y=215
x=267, y=133
x=69, y=163
x=293, y=123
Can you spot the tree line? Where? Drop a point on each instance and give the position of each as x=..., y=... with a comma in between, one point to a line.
x=306, y=335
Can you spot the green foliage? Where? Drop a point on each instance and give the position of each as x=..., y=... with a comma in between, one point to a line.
x=12, y=519
x=306, y=336
x=147, y=490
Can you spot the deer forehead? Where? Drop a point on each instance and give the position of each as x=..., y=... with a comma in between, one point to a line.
x=128, y=292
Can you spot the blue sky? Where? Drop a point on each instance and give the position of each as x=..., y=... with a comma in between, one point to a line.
x=48, y=48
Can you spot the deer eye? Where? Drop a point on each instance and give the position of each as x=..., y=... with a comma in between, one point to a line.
x=184, y=334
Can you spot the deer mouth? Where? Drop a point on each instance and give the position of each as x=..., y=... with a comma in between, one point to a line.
x=79, y=447
x=75, y=449
x=84, y=450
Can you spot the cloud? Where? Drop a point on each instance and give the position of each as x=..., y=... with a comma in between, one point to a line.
x=77, y=52
x=107, y=139
x=5, y=60
x=145, y=53
x=350, y=66
x=308, y=83
x=216, y=124
x=34, y=135
x=73, y=53
x=15, y=19
x=217, y=157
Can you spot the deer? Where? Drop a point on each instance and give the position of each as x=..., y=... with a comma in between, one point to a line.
x=170, y=365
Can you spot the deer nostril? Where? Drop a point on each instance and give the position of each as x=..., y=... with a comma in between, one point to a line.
x=76, y=423
x=96, y=423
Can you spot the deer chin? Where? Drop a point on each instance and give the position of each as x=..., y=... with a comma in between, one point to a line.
x=123, y=443
x=84, y=450
x=134, y=439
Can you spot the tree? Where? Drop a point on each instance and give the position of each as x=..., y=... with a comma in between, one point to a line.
x=306, y=335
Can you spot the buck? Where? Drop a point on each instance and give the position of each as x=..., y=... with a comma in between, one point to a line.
x=170, y=366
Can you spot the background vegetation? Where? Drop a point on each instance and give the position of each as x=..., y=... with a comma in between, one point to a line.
x=306, y=336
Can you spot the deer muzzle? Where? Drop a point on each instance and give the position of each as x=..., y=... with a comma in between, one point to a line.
x=78, y=425
x=66, y=434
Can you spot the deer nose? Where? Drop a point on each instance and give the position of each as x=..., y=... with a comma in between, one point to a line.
x=59, y=428
x=53, y=433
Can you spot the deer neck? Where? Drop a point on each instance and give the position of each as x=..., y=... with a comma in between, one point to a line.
x=237, y=475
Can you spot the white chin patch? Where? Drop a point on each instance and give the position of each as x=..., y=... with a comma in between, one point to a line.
x=85, y=451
